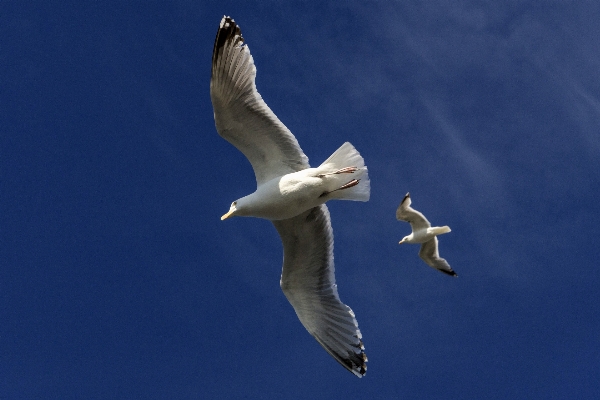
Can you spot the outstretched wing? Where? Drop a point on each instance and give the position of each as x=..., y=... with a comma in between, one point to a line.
x=429, y=253
x=242, y=117
x=308, y=282
x=404, y=212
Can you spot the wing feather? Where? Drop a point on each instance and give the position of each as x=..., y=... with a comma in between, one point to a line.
x=242, y=117
x=430, y=254
x=308, y=282
x=406, y=213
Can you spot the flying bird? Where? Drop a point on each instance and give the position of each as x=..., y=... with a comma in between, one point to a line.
x=424, y=233
x=292, y=195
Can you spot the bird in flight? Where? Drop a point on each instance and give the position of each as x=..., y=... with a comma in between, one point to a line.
x=292, y=195
x=424, y=233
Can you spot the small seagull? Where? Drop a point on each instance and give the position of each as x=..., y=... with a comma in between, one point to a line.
x=424, y=233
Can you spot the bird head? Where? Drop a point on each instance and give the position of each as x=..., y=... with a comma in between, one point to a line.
x=231, y=211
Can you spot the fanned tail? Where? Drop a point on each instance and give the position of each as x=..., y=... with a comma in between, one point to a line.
x=344, y=157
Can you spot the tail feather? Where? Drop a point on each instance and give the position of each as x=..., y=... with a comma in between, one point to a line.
x=438, y=230
x=348, y=156
x=345, y=156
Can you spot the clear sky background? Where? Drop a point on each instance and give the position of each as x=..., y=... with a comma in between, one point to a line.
x=118, y=280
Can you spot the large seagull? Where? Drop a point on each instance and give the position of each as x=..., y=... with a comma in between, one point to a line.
x=292, y=195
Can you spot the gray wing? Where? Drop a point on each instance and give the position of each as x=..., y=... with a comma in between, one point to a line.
x=405, y=213
x=308, y=282
x=242, y=117
x=429, y=253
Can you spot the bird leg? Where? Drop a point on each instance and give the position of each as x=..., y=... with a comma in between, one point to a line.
x=347, y=170
x=348, y=185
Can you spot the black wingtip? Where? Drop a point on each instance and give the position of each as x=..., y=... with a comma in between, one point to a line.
x=353, y=361
x=407, y=196
x=451, y=272
x=228, y=30
x=358, y=366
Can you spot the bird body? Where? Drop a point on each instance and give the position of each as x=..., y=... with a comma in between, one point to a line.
x=425, y=235
x=286, y=196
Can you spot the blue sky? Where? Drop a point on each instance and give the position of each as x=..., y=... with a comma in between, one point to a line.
x=118, y=279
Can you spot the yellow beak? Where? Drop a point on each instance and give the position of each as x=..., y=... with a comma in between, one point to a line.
x=224, y=217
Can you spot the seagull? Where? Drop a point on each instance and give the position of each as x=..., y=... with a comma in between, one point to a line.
x=424, y=233
x=291, y=195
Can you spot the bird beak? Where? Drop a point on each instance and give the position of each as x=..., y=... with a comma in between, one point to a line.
x=229, y=213
x=401, y=242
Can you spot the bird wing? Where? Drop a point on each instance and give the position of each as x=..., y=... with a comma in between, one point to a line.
x=429, y=253
x=308, y=282
x=242, y=117
x=404, y=212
